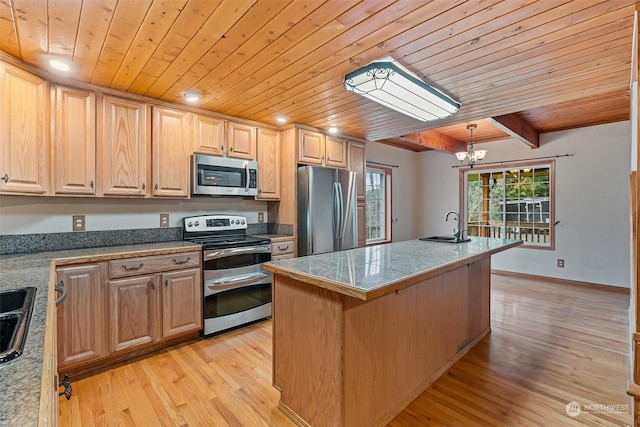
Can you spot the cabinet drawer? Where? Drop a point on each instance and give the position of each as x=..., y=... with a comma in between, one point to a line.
x=281, y=257
x=153, y=264
x=281, y=248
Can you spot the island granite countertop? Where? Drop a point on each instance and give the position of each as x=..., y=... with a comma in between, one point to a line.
x=21, y=378
x=372, y=271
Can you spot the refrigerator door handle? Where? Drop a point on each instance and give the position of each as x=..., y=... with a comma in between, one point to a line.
x=336, y=212
x=341, y=210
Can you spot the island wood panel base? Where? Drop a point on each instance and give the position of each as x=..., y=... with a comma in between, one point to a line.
x=341, y=361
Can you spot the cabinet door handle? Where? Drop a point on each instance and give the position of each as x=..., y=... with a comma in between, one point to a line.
x=153, y=285
x=260, y=191
x=231, y=149
x=280, y=248
x=156, y=186
x=176, y=262
x=132, y=268
x=63, y=293
x=5, y=178
x=166, y=283
x=91, y=184
x=143, y=186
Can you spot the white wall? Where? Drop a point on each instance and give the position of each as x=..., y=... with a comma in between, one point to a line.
x=592, y=203
x=31, y=215
x=404, y=203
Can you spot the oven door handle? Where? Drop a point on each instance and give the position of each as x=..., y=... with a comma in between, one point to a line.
x=236, y=281
x=237, y=251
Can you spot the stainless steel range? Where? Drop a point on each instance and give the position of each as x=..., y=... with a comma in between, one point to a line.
x=237, y=290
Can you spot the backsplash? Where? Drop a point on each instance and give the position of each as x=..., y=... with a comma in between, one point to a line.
x=27, y=243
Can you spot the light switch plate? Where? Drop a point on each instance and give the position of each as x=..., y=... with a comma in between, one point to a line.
x=164, y=220
x=78, y=223
x=560, y=263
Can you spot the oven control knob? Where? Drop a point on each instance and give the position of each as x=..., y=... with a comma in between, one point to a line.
x=232, y=222
x=196, y=223
x=243, y=222
x=189, y=224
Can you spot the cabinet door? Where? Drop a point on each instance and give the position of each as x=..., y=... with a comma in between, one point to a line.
x=181, y=302
x=357, y=164
x=133, y=312
x=268, y=164
x=124, y=147
x=24, y=132
x=171, y=145
x=81, y=329
x=74, y=142
x=336, y=152
x=310, y=147
x=241, y=140
x=208, y=135
x=362, y=225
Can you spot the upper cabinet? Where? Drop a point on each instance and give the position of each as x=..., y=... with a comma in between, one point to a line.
x=73, y=163
x=241, y=140
x=171, y=149
x=268, y=164
x=357, y=165
x=24, y=132
x=317, y=149
x=124, y=147
x=208, y=135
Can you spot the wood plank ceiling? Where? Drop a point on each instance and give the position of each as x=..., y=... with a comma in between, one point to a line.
x=550, y=64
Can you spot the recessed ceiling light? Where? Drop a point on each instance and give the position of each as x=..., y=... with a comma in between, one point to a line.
x=333, y=129
x=191, y=96
x=59, y=64
x=281, y=119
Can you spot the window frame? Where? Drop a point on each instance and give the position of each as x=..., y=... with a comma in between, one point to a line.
x=504, y=167
x=387, y=204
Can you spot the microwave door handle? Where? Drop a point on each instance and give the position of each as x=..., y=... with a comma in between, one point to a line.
x=236, y=251
x=246, y=177
x=236, y=281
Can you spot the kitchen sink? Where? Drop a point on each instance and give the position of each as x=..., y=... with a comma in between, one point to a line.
x=16, y=306
x=443, y=239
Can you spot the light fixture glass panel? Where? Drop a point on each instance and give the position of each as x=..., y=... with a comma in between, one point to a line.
x=461, y=155
x=391, y=86
x=480, y=154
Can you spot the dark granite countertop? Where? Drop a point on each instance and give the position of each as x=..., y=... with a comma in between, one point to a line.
x=20, y=379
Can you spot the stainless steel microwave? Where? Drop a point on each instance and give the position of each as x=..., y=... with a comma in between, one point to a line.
x=223, y=176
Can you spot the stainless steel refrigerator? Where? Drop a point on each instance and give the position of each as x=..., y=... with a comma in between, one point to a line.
x=327, y=217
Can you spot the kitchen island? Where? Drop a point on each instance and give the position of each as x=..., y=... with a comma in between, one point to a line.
x=359, y=334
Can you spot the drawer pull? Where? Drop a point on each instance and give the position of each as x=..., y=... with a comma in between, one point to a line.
x=280, y=248
x=132, y=268
x=181, y=262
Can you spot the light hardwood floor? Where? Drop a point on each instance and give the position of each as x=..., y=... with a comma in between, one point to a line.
x=550, y=345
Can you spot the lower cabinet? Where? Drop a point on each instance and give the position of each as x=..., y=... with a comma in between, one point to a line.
x=105, y=315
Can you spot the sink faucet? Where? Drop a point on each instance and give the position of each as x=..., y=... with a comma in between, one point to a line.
x=457, y=232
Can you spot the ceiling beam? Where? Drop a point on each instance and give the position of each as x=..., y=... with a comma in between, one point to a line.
x=436, y=141
x=517, y=128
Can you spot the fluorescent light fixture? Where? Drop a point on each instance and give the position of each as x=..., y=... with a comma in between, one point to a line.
x=282, y=119
x=191, y=96
x=388, y=84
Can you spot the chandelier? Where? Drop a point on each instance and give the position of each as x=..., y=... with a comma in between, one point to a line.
x=471, y=156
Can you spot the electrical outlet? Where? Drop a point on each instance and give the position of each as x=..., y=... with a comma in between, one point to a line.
x=560, y=263
x=78, y=223
x=260, y=217
x=164, y=220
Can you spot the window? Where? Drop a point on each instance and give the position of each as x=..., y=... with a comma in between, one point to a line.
x=378, y=211
x=513, y=202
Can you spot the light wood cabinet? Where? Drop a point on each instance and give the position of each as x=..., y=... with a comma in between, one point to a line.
x=133, y=312
x=268, y=164
x=171, y=145
x=310, y=147
x=24, y=132
x=362, y=225
x=73, y=164
x=208, y=135
x=80, y=317
x=282, y=249
x=357, y=165
x=335, y=152
x=181, y=302
x=124, y=147
x=241, y=140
